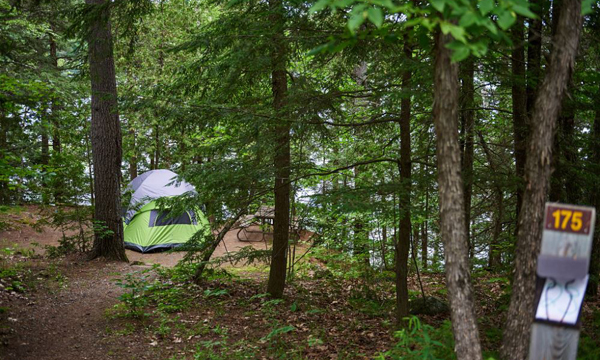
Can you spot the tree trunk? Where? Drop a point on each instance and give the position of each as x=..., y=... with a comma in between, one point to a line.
x=424, y=244
x=452, y=215
x=4, y=124
x=468, y=121
x=133, y=166
x=282, y=152
x=569, y=151
x=90, y=166
x=156, y=147
x=361, y=237
x=537, y=176
x=534, y=57
x=54, y=112
x=494, y=255
x=425, y=237
x=404, y=196
x=45, y=156
x=519, y=108
x=106, y=138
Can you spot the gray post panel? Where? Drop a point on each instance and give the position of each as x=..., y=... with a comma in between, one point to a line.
x=562, y=273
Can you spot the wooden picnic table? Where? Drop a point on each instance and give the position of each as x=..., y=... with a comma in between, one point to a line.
x=263, y=217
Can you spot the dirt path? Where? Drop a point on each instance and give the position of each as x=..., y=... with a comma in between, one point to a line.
x=67, y=322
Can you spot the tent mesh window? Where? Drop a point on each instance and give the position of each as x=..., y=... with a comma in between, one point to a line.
x=158, y=218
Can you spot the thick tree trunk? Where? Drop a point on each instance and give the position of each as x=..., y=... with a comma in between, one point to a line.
x=537, y=176
x=403, y=243
x=468, y=125
x=106, y=139
x=452, y=215
x=519, y=108
x=282, y=152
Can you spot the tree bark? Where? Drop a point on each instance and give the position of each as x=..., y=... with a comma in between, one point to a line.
x=106, y=138
x=45, y=156
x=468, y=121
x=494, y=255
x=4, y=124
x=425, y=237
x=537, y=176
x=156, y=147
x=569, y=151
x=404, y=196
x=133, y=166
x=452, y=215
x=54, y=112
x=281, y=221
x=54, y=107
x=534, y=56
x=519, y=109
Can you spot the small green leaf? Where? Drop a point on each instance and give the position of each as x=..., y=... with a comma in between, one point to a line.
x=506, y=19
x=458, y=33
x=375, y=15
x=357, y=17
x=355, y=21
x=586, y=7
x=460, y=54
x=319, y=5
x=469, y=18
x=445, y=27
x=323, y=48
x=485, y=6
x=412, y=22
x=524, y=11
x=343, y=3
x=438, y=4
x=489, y=24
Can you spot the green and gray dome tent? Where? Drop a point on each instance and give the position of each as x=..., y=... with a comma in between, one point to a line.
x=146, y=228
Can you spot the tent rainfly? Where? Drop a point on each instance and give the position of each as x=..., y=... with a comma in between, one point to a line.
x=146, y=228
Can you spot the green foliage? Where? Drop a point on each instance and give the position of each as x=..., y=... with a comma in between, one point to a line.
x=471, y=24
x=74, y=221
x=589, y=345
x=277, y=332
x=134, y=299
x=215, y=292
x=422, y=342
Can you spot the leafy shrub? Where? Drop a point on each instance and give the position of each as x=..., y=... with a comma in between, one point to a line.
x=422, y=342
x=134, y=299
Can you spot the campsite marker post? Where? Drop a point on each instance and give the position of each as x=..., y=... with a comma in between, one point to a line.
x=562, y=278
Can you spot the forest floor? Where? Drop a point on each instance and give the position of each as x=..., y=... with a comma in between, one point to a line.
x=71, y=308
